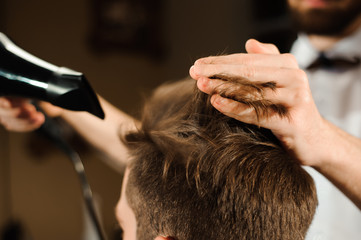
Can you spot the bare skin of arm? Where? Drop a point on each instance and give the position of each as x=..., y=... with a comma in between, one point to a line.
x=105, y=134
x=17, y=114
x=304, y=133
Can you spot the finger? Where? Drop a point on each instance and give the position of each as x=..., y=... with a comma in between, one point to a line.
x=51, y=110
x=254, y=46
x=18, y=101
x=18, y=110
x=282, y=77
x=275, y=60
x=30, y=112
x=241, y=88
x=192, y=73
x=11, y=106
x=22, y=125
x=231, y=108
x=264, y=102
x=10, y=112
x=245, y=93
x=26, y=112
x=244, y=113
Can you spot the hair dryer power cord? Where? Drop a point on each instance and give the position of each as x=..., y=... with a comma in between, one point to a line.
x=52, y=130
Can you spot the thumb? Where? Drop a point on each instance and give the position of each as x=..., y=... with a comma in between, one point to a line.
x=254, y=46
x=51, y=110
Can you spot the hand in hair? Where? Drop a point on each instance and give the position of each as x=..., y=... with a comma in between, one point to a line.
x=264, y=88
x=268, y=89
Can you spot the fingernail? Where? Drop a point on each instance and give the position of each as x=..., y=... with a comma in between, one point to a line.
x=191, y=71
x=195, y=70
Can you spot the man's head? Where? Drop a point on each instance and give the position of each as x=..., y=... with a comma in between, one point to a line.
x=325, y=17
x=197, y=174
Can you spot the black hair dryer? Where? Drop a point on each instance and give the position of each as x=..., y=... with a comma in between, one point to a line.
x=22, y=74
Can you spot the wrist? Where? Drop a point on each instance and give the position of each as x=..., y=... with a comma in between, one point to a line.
x=310, y=145
x=336, y=149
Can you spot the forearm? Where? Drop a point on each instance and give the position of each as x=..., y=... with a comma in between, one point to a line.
x=105, y=134
x=341, y=162
x=18, y=114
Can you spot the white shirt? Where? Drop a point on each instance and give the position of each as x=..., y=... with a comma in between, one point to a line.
x=338, y=97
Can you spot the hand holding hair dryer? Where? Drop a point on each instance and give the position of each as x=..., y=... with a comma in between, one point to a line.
x=24, y=75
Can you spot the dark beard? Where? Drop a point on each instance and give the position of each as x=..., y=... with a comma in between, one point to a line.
x=328, y=22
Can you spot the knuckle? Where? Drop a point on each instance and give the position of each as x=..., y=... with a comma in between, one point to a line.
x=303, y=98
x=301, y=95
x=204, y=60
x=272, y=47
x=291, y=59
x=249, y=72
x=245, y=59
x=242, y=58
x=301, y=77
x=199, y=61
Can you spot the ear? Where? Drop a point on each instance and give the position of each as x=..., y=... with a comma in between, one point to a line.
x=163, y=238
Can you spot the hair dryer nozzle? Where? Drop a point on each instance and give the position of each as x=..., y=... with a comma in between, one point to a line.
x=22, y=74
x=72, y=91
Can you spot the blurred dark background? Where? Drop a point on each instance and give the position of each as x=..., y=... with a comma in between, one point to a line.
x=125, y=48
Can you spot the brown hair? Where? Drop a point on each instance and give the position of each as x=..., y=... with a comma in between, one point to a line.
x=197, y=174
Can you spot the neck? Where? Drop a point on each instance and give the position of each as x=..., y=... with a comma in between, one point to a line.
x=323, y=42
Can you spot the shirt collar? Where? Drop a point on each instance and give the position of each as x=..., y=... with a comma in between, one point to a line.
x=305, y=53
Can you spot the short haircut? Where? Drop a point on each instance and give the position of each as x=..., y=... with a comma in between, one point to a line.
x=198, y=174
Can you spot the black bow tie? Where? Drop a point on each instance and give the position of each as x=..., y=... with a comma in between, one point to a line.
x=334, y=63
